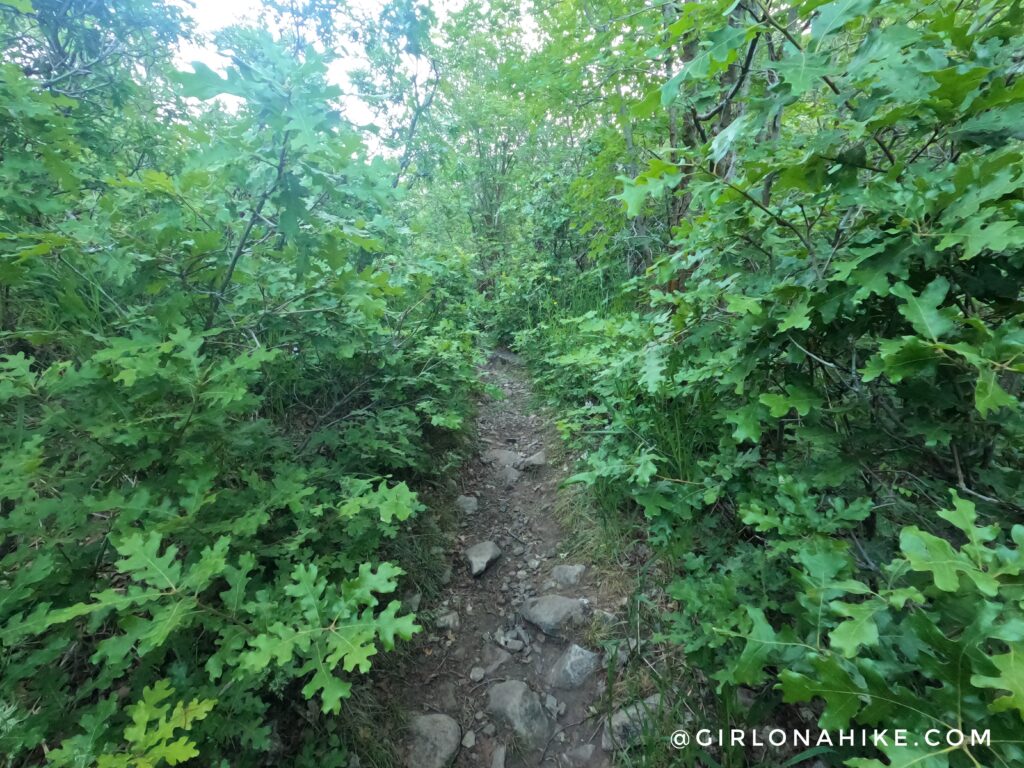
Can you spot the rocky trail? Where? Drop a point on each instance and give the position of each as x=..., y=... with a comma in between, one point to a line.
x=509, y=673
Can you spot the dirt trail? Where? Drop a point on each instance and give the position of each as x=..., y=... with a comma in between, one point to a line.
x=480, y=690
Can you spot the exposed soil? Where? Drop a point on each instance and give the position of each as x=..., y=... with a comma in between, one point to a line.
x=475, y=626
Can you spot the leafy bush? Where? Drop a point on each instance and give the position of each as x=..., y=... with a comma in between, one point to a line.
x=217, y=383
x=828, y=340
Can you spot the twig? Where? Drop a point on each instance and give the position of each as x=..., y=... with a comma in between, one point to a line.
x=736, y=86
x=218, y=297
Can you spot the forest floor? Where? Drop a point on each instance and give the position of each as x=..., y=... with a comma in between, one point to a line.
x=510, y=670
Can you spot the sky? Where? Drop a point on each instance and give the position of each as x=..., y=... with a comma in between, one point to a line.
x=212, y=15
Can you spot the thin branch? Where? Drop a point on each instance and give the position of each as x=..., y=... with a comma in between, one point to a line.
x=736, y=86
x=254, y=216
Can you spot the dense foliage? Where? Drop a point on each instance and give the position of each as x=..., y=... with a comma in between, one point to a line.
x=220, y=373
x=770, y=256
x=766, y=258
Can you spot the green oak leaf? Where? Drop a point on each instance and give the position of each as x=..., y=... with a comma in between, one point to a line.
x=922, y=309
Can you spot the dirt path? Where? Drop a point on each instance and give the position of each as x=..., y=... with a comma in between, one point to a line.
x=508, y=673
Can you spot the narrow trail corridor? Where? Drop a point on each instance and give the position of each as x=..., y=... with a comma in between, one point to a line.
x=506, y=675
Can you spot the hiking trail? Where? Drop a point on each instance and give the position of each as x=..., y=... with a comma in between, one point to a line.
x=504, y=676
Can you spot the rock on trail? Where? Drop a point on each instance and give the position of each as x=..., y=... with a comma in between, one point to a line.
x=573, y=668
x=481, y=555
x=567, y=575
x=554, y=615
x=513, y=703
x=626, y=726
x=433, y=741
x=467, y=505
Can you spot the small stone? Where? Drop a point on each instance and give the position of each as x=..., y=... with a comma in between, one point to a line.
x=573, y=668
x=553, y=614
x=624, y=728
x=568, y=575
x=476, y=674
x=489, y=729
x=534, y=564
x=579, y=756
x=551, y=704
x=411, y=601
x=507, y=476
x=518, y=550
x=537, y=460
x=469, y=740
x=494, y=658
x=467, y=505
x=433, y=741
x=480, y=556
x=521, y=575
x=746, y=696
x=605, y=618
x=479, y=715
x=519, y=707
x=449, y=620
x=515, y=645
x=498, y=759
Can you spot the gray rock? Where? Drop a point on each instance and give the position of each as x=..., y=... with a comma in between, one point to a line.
x=568, y=575
x=498, y=759
x=433, y=741
x=618, y=657
x=411, y=601
x=746, y=696
x=573, y=668
x=624, y=728
x=508, y=476
x=469, y=740
x=466, y=504
x=494, y=658
x=448, y=620
x=537, y=460
x=481, y=555
x=551, y=704
x=515, y=645
x=500, y=457
x=553, y=614
x=605, y=618
x=578, y=756
x=513, y=703
x=490, y=730
x=476, y=674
